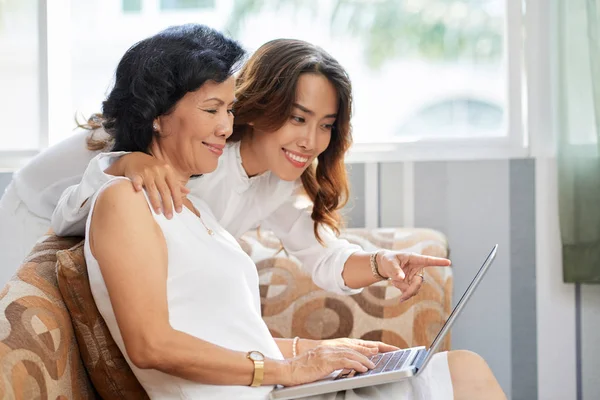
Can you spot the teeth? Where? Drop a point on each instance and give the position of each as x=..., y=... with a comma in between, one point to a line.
x=296, y=158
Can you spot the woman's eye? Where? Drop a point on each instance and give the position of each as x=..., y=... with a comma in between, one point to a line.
x=211, y=111
x=328, y=126
x=298, y=119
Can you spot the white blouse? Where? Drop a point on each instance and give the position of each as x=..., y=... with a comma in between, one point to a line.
x=240, y=204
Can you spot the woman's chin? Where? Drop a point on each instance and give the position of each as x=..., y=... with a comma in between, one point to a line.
x=286, y=175
x=205, y=169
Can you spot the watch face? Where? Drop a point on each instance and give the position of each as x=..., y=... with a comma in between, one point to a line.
x=256, y=356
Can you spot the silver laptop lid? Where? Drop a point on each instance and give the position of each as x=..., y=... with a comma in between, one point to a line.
x=457, y=310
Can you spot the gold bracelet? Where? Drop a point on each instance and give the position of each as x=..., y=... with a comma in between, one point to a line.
x=375, y=267
x=295, y=347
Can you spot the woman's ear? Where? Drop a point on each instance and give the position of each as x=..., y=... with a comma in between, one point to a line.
x=156, y=125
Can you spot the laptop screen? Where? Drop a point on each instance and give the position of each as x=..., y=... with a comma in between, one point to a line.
x=459, y=306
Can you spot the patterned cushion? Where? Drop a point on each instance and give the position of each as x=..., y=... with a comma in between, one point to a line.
x=111, y=375
x=293, y=306
x=38, y=351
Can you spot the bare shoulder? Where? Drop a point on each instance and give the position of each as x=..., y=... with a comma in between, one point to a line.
x=121, y=198
x=122, y=213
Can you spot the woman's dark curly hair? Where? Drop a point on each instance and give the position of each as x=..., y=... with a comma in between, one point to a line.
x=155, y=73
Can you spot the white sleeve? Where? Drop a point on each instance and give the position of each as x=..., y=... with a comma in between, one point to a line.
x=70, y=215
x=292, y=224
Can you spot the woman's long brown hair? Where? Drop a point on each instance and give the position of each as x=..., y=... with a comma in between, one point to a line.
x=266, y=92
x=94, y=123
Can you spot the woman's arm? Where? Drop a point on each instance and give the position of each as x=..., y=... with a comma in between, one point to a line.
x=292, y=224
x=132, y=255
x=144, y=171
x=401, y=268
x=337, y=265
x=365, y=347
x=71, y=212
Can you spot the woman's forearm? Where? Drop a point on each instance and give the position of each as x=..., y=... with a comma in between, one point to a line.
x=185, y=356
x=285, y=346
x=357, y=271
x=302, y=346
x=70, y=214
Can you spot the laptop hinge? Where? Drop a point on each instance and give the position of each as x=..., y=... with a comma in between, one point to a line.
x=420, y=358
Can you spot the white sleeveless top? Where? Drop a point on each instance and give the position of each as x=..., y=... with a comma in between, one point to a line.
x=213, y=294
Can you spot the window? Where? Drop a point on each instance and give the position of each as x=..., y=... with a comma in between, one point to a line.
x=19, y=75
x=404, y=57
x=579, y=104
x=424, y=72
x=467, y=117
x=185, y=4
x=132, y=5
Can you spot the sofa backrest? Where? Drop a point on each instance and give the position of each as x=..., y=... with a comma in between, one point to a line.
x=39, y=355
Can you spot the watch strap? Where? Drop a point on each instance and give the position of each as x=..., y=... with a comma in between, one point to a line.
x=259, y=371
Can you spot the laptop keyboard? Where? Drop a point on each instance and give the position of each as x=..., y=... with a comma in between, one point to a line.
x=384, y=362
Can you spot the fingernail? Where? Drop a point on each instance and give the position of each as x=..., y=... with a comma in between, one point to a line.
x=179, y=210
x=169, y=216
x=374, y=350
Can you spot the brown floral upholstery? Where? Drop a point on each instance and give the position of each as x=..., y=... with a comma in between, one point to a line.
x=39, y=352
x=39, y=355
x=107, y=368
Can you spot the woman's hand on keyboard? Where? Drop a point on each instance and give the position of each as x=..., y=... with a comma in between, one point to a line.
x=365, y=347
x=321, y=361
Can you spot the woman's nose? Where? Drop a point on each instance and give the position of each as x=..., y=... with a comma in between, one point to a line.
x=225, y=127
x=307, y=142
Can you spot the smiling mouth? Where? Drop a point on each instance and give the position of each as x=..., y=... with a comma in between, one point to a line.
x=295, y=159
x=215, y=149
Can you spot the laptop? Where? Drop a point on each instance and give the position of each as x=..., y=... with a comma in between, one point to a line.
x=390, y=367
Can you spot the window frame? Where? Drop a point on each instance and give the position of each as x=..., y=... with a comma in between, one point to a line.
x=513, y=145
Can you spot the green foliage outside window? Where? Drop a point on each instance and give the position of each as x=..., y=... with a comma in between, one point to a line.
x=435, y=30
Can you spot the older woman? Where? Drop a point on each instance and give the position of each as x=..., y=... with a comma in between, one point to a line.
x=179, y=295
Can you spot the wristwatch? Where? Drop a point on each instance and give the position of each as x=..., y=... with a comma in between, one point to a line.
x=259, y=367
